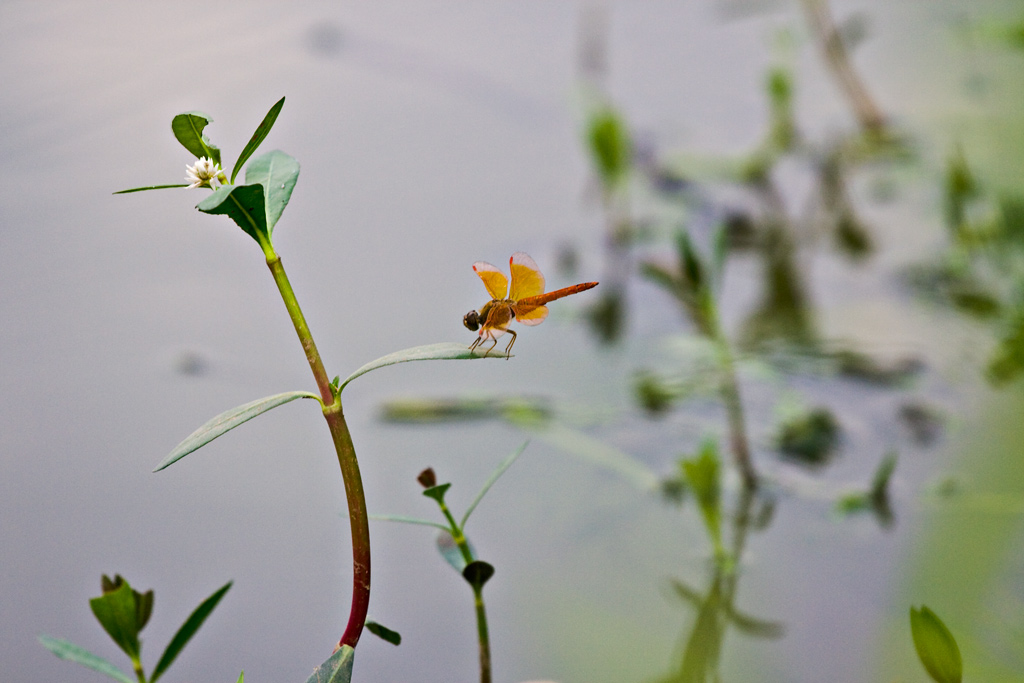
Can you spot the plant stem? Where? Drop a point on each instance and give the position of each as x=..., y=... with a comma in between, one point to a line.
x=358, y=519
x=824, y=27
x=482, y=635
x=730, y=389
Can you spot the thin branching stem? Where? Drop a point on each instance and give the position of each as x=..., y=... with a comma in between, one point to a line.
x=820, y=18
x=358, y=518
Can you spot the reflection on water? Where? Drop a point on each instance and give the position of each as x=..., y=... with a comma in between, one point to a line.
x=715, y=609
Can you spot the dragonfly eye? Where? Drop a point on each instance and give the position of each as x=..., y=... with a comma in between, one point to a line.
x=472, y=321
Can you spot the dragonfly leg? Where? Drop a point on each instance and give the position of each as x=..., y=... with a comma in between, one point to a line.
x=508, y=349
x=475, y=344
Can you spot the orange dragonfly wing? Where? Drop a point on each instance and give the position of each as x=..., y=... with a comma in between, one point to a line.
x=527, y=280
x=530, y=314
x=494, y=279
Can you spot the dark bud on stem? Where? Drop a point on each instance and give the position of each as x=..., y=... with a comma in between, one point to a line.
x=427, y=479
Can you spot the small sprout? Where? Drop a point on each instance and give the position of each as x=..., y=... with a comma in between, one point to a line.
x=810, y=438
x=876, y=498
x=203, y=173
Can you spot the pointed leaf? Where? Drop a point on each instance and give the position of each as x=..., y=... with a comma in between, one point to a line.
x=258, y=137
x=187, y=630
x=277, y=173
x=151, y=187
x=441, y=351
x=409, y=520
x=384, y=633
x=437, y=492
x=116, y=613
x=188, y=129
x=500, y=470
x=609, y=145
x=245, y=205
x=936, y=647
x=74, y=653
x=337, y=669
x=227, y=421
x=241, y=678
x=143, y=608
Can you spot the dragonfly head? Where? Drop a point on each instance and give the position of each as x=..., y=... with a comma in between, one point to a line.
x=472, y=321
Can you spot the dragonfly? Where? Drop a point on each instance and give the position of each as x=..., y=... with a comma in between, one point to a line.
x=524, y=299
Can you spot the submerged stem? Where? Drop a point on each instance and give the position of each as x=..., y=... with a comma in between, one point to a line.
x=358, y=519
x=730, y=390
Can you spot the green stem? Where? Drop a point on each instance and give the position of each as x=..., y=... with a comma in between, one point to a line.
x=483, y=638
x=358, y=519
x=482, y=635
x=730, y=391
x=137, y=667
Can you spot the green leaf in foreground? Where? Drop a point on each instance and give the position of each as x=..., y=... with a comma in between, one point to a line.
x=936, y=647
x=74, y=653
x=384, y=633
x=257, y=137
x=150, y=187
x=187, y=630
x=227, y=421
x=277, y=172
x=188, y=129
x=441, y=351
x=117, y=613
x=337, y=669
x=246, y=206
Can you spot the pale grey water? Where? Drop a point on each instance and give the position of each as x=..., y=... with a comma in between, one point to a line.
x=431, y=135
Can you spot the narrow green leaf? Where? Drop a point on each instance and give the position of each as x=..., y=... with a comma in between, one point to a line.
x=337, y=669
x=74, y=653
x=277, y=173
x=258, y=137
x=936, y=647
x=609, y=146
x=441, y=351
x=703, y=474
x=241, y=678
x=384, y=633
x=116, y=612
x=246, y=206
x=227, y=421
x=188, y=129
x=409, y=520
x=500, y=470
x=151, y=187
x=187, y=630
x=596, y=452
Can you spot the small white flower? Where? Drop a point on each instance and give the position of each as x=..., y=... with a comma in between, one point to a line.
x=203, y=173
